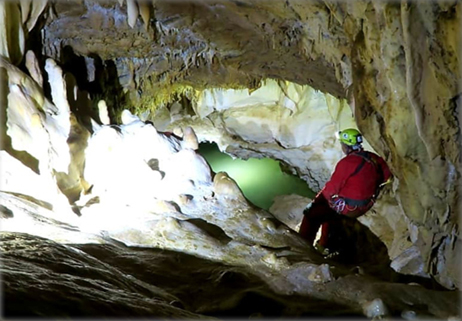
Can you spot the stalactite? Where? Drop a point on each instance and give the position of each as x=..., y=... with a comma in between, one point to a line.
x=11, y=32
x=25, y=9
x=145, y=12
x=38, y=7
x=132, y=12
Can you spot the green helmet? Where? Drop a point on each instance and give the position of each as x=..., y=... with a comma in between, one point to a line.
x=350, y=137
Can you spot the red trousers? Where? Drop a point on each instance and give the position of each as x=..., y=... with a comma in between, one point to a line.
x=319, y=214
x=322, y=215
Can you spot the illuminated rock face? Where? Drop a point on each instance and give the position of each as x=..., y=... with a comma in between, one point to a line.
x=281, y=120
x=396, y=64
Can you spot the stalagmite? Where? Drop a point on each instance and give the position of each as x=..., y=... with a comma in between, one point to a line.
x=103, y=113
x=190, y=139
x=178, y=131
x=375, y=309
x=34, y=124
x=224, y=185
x=127, y=117
x=58, y=90
x=33, y=67
x=25, y=125
x=17, y=77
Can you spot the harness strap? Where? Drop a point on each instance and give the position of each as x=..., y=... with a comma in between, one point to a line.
x=359, y=203
x=359, y=167
x=366, y=157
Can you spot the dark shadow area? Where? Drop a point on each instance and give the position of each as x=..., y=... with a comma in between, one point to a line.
x=42, y=278
x=211, y=288
x=98, y=79
x=364, y=252
x=211, y=229
x=34, y=43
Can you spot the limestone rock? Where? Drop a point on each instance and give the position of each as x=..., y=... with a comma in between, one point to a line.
x=190, y=139
x=289, y=209
x=375, y=309
x=318, y=67
x=132, y=12
x=322, y=274
x=12, y=32
x=33, y=67
x=226, y=186
x=103, y=113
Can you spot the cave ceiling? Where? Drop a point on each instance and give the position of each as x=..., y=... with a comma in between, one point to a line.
x=202, y=43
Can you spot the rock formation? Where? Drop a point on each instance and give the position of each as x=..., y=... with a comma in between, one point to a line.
x=106, y=104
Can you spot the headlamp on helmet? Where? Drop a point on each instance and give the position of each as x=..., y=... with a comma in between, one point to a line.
x=350, y=137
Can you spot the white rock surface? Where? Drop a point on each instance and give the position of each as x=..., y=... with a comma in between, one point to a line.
x=33, y=67
x=275, y=114
x=39, y=128
x=289, y=209
x=375, y=309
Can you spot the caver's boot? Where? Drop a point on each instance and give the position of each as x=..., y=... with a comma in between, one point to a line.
x=325, y=251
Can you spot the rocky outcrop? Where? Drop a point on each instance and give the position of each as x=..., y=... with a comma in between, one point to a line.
x=89, y=287
x=395, y=64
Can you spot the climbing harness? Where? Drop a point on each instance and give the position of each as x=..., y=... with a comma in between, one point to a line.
x=339, y=205
x=342, y=204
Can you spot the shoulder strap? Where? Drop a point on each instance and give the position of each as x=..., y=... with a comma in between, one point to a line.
x=364, y=155
x=367, y=158
x=358, y=168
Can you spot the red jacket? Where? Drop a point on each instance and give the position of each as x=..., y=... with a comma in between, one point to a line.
x=361, y=185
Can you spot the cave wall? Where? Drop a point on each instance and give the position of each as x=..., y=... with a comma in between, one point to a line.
x=406, y=84
x=396, y=64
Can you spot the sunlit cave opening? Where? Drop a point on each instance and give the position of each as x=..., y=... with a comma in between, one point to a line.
x=259, y=179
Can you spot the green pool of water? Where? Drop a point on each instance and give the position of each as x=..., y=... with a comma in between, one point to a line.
x=259, y=179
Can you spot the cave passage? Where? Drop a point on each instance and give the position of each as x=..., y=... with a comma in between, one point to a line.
x=259, y=179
